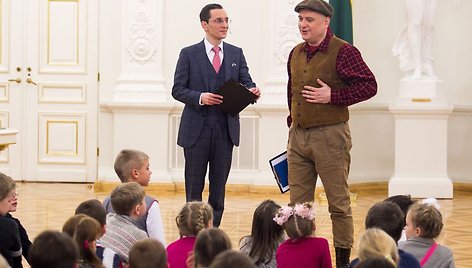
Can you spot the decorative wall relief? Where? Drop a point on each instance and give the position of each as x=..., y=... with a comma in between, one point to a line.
x=141, y=44
x=287, y=38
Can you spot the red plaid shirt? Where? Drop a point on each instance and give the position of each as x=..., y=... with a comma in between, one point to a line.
x=351, y=68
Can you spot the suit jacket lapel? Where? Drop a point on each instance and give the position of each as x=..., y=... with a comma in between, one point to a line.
x=202, y=56
x=228, y=60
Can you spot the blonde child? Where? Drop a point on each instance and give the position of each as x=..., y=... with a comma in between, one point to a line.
x=86, y=230
x=10, y=244
x=301, y=249
x=133, y=166
x=266, y=236
x=209, y=243
x=147, y=253
x=127, y=200
x=193, y=217
x=376, y=243
x=423, y=224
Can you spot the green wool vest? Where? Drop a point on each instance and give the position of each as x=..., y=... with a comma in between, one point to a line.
x=321, y=66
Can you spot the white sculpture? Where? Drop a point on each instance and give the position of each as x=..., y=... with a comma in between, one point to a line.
x=414, y=44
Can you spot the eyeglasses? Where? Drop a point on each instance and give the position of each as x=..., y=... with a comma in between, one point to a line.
x=221, y=21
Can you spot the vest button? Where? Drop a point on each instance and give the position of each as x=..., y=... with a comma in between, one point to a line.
x=299, y=103
x=303, y=82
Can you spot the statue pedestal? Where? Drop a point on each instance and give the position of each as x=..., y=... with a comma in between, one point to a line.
x=420, y=142
x=420, y=91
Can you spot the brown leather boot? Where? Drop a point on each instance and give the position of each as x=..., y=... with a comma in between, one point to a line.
x=342, y=257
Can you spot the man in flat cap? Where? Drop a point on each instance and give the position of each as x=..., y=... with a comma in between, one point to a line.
x=326, y=75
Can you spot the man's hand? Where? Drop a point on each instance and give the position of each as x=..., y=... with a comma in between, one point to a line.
x=317, y=94
x=211, y=98
x=256, y=91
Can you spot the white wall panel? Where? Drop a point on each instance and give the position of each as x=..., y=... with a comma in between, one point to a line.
x=61, y=138
x=62, y=93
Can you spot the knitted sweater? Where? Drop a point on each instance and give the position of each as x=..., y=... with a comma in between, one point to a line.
x=121, y=234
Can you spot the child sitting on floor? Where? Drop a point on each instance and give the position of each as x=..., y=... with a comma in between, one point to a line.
x=193, y=217
x=266, y=236
x=301, y=249
x=423, y=224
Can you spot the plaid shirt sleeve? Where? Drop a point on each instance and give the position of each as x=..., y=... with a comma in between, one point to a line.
x=361, y=83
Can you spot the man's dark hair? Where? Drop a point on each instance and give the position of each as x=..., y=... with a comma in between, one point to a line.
x=388, y=217
x=53, y=249
x=205, y=13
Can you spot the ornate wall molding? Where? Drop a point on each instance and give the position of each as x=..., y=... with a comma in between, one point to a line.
x=141, y=46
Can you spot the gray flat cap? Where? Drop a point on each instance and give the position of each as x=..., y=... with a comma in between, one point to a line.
x=319, y=6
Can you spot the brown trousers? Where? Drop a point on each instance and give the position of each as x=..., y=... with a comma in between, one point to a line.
x=323, y=151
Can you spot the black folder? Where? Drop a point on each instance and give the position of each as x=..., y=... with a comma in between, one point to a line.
x=279, y=166
x=236, y=97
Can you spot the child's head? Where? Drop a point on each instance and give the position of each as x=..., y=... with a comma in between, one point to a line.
x=193, y=217
x=86, y=232
x=133, y=165
x=232, y=259
x=375, y=263
x=423, y=220
x=375, y=243
x=403, y=201
x=209, y=243
x=128, y=199
x=53, y=249
x=266, y=234
x=7, y=193
x=94, y=209
x=298, y=221
x=147, y=253
x=71, y=223
x=386, y=216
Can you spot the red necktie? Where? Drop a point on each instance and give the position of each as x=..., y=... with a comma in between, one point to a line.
x=216, y=59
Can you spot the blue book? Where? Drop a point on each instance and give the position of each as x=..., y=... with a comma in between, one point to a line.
x=279, y=166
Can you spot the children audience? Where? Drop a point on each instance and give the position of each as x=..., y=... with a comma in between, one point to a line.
x=147, y=253
x=232, y=259
x=266, y=236
x=209, y=243
x=10, y=244
x=193, y=217
x=388, y=217
x=133, y=166
x=127, y=200
x=404, y=202
x=376, y=243
x=301, y=249
x=423, y=224
x=53, y=249
x=86, y=231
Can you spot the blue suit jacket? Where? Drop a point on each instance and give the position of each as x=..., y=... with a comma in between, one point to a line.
x=191, y=79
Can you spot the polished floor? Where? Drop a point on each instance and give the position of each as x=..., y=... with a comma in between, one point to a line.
x=48, y=205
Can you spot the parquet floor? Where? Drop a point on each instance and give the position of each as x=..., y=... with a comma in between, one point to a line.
x=48, y=205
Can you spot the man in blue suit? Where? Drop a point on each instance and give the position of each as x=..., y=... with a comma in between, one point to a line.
x=207, y=133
